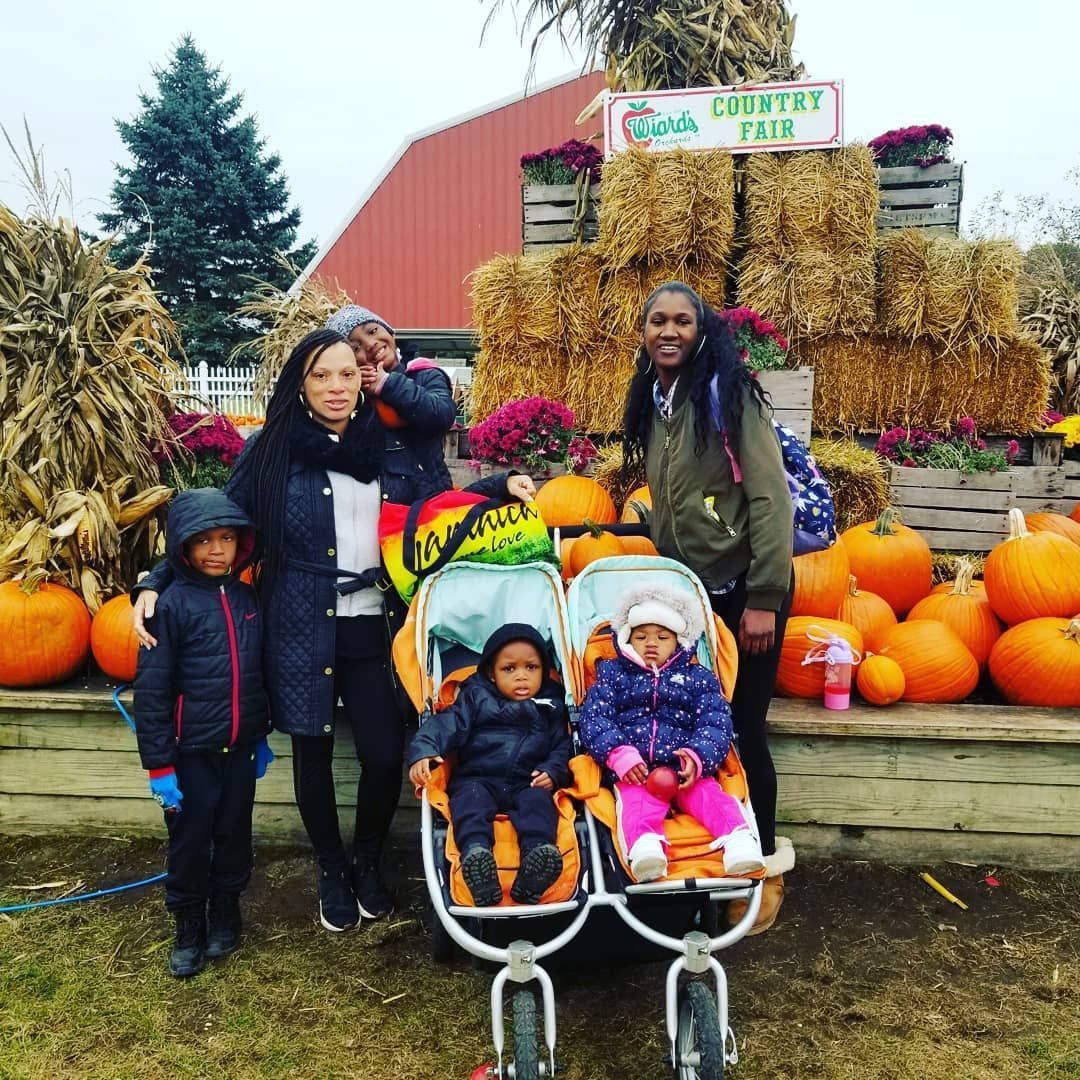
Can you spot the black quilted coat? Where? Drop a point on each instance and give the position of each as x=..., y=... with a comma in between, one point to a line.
x=201, y=689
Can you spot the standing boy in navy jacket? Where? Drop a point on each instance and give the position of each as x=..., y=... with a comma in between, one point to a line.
x=201, y=720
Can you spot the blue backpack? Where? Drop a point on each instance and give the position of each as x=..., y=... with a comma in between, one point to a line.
x=811, y=499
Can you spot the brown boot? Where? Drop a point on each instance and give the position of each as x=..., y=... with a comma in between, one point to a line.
x=772, y=889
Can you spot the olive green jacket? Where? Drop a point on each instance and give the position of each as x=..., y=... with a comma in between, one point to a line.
x=750, y=524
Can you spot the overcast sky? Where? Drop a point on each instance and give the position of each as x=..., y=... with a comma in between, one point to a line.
x=337, y=86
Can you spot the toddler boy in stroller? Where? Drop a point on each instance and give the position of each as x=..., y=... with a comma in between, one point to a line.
x=508, y=733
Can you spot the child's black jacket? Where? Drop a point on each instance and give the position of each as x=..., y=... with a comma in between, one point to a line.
x=201, y=687
x=491, y=737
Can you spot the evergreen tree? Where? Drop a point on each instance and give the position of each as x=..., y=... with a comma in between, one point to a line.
x=212, y=205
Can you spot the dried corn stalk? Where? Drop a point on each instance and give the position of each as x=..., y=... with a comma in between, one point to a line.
x=85, y=370
x=1052, y=315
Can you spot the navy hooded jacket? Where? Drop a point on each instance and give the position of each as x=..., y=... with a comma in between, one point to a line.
x=201, y=688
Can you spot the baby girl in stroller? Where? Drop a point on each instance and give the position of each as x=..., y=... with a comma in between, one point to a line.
x=653, y=706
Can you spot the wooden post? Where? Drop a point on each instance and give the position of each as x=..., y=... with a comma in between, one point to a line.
x=1047, y=447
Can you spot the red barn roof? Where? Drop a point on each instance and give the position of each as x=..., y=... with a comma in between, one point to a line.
x=449, y=199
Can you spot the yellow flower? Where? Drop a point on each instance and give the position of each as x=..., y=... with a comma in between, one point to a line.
x=1070, y=428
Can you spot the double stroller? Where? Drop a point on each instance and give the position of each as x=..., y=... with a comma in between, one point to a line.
x=454, y=612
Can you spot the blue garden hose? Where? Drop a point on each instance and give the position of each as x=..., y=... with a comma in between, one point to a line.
x=100, y=892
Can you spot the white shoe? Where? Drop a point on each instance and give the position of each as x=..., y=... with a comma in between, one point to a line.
x=647, y=859
x=742, y=854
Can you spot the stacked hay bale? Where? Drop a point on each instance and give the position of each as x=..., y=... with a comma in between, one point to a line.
x=947, y=344
x=566, y=323
x=809, y=231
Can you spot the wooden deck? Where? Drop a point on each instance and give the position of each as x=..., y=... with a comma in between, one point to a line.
x=911, y=783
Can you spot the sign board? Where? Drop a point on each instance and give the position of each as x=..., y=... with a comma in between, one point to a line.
x=806, y=115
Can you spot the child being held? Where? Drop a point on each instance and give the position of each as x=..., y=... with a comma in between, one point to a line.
x=653, y=706
x=201, y=721
x=508, y=733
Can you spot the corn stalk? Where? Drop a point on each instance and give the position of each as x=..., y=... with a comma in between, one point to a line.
x=1050, y=310
x=85, y=374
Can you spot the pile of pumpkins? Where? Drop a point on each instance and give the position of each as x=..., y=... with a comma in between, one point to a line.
x=1021, y=624
x=47, y=635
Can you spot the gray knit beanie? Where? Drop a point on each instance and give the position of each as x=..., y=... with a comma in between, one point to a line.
x=349, y=318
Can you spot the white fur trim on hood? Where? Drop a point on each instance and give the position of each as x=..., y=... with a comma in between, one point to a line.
x=677, y=611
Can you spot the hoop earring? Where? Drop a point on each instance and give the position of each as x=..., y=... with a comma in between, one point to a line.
x=642, y=354
x=304, y=405
x=701, y=345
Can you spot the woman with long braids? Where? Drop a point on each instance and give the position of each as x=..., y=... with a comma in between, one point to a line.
x=313, y=482
x=699, y=426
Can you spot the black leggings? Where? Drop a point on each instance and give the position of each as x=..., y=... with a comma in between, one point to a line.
x=378, y=730
x=750, y=707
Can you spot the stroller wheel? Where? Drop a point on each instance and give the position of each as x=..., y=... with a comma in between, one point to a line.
x=443, y=947
x=699, y=1042
x=526, y=1062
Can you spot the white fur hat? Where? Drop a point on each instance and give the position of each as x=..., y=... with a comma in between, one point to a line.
x=677, y=611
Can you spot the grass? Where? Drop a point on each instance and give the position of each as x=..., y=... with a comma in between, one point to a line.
x=868, y=974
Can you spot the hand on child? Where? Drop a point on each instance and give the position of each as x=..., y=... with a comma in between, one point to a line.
x=420, y=771
x=637, y=775
x=688, y=772
x=541, y=779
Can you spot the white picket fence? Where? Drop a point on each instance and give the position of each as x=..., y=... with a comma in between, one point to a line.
x=227, y=389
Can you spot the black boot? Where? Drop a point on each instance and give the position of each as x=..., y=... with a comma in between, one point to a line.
x=188, y=955
x=481, y=874
x=375, y=899
x=338, y=909
x=223, y=925
x=540, y=869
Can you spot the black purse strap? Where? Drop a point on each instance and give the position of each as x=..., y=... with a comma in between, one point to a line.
x=454, y=541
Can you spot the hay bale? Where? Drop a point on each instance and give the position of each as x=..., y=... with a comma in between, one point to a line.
x=596, y=388
x=626, y=199
x=575, y=275
x=708, y=279
x=995, y=270
x=832, y=292
x=858, y=478
x=501, y=375
x=494, y=295
x=945, y=564
x=767, y=284
x=870, y=382
x=714, y=207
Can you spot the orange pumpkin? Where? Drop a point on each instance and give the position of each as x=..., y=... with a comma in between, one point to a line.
x=880, y=680
x=866, y=611
x=593, y=545
x=113, y=641
x=821, y=579
x=976, y=586
x=1074, y=513
x=937, y=665
x=565, y=547
x=1038, y=663
x=641, y=495
x=44, y=633
x=638, y=545
x=1032, y=575
x=965, y=610
x=793, y=679
x=1046, y=521
x=388, y=415
x=891, y=560
x=569, y=500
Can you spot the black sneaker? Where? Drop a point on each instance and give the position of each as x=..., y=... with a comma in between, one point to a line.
x=481, y=874
x=338, y=909
x=188, y=956
x=223, y=926
x=540, y=869
x=374, y=899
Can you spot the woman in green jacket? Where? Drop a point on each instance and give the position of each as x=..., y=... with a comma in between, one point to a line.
x=698, y=424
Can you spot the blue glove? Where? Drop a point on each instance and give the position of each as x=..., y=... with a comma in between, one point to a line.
x=264, y=756
x=165, y=791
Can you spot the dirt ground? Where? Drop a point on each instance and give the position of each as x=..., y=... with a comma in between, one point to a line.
x=868, y=974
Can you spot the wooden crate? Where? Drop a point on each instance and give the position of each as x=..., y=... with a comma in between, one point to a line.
x=957, y=511
x=547, y=215
x=792, y=394
x=929, y=198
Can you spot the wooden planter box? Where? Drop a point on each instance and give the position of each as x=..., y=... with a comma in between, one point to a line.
x=547, y=215
x=929, y=198
x=792, y=394
x=957, y=511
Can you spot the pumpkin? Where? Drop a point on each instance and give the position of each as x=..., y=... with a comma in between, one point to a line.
x=880, y=680
x=1074, y=513
x=964, y=610
x=890, y=560
x=44, y=633
x=113, y=641
x=793, y=678
x=937, y=665
x=592, y=545
x=866, y=611
x=388, y=415
x=641, y=495
x=569, y=500
x=1032, y=575
x=1046, y=521
x=821, y=579
x=1038, y=663
x=565, y=547
x=638, y=545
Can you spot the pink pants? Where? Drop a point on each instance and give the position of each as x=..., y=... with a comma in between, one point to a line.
x=638, y=812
